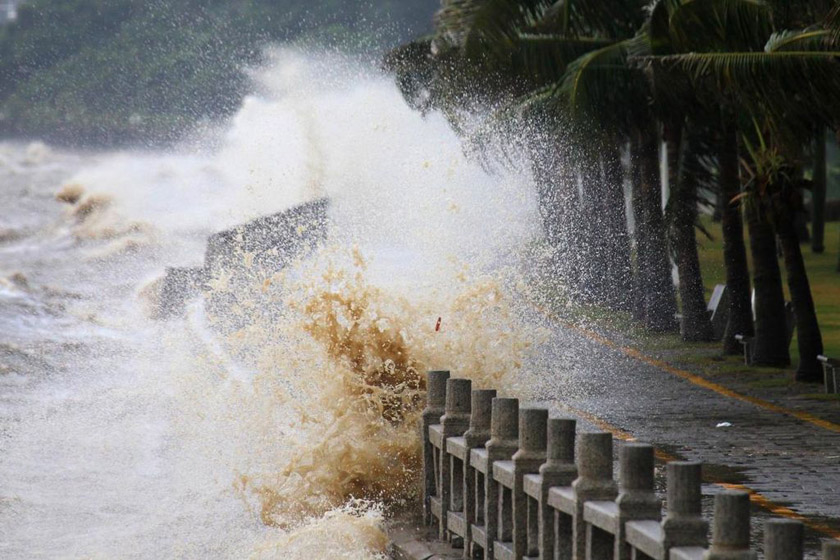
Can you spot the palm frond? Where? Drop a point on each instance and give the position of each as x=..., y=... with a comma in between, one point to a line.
x=543, y=57
x=479, y=27
x=720, y=25
x=799, y=14
x=602, y=85
x=616, y=19
x=800, y=40
x=832, y=23
x=658, y=26
x=791, y=87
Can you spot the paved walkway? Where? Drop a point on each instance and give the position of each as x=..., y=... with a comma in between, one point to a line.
x=788, y=459
x=792, y=464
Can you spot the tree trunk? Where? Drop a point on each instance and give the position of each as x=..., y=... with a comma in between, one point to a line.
x=818, y=193
x=571, y=251
x=734, y=250
x=558, y=206
x=654, y=266
x=808, y=336
x=638, y=309
x=590, y=260
x=696, y=325
x=771, y=344
x=619, y=272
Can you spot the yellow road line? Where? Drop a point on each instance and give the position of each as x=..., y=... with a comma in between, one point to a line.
x=702, y=382
x=755, y=497
x=783, y=511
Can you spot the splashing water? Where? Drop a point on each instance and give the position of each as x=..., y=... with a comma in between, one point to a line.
x=292, y=434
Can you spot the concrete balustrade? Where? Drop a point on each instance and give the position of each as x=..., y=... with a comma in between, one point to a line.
x=511, y=483
x=462, y=509
x=605, y=520
x=831, y=550
x=435, y=403
x=512, y=537
x=783, y=539
x=683, y=525
x=454, y=422
x=595, y=483
x=731, y=528
x=503, y=443
x=558, y=470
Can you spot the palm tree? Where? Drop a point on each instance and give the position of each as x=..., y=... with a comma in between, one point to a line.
x=783, y=89
x=526, y=47
x=680, y=26
x=601, y=91
x=722, y=88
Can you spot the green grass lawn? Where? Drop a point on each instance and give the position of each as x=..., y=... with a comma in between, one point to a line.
x=822, y=273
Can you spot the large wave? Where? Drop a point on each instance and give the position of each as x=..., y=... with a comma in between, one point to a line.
x=295, y=430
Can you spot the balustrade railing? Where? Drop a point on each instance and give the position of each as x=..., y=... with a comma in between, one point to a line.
x=510, y=483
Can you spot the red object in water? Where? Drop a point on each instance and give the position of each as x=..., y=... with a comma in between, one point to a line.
x=437, y=325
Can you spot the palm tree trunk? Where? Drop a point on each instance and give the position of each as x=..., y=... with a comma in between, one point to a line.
x=771, y=344
x=818, y=193
x=571, y=251
x=558, y=206
x=619, y=272
x=808, y=336
x=638, y=309
x=696, y=326
x=734, y=250
x=591, y=257
x=655, y=268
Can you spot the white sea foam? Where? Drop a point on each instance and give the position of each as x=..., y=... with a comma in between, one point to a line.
x=286, y=439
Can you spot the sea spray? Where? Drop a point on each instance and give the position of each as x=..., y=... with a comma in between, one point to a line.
x=347, y=358
x=291, y=434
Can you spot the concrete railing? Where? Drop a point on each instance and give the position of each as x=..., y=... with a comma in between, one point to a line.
x=510, y=483
x=831, y=379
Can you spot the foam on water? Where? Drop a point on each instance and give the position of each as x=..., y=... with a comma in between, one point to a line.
x=293, y=435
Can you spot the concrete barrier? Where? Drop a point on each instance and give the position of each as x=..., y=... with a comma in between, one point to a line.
x=509, y=484
x=272, y=241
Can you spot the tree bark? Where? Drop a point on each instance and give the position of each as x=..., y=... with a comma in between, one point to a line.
x=660, y=304
x=818, y=193
x=734, y=250
x=696, y=325
x=638, y=309
x=771, y=344
x=558, y=206
x=808, y=336
x=590, y=261
x=619, y=271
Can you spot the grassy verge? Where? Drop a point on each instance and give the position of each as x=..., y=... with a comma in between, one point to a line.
x=705, y=359
x=822, y=273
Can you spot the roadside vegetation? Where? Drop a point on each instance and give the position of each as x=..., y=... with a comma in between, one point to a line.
x=725, y=104
x=138, y=71
x=822, y=274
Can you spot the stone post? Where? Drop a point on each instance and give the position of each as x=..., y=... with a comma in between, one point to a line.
x=783, y=539
x=528, y=459
x=684, y=524
x=435, y=401
x=594, y=482
x=504, y=440
x=731, y=528
x=558, y=470
x=454, y=422
x=831, y=550
x=477, y=436
x=636, y=500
